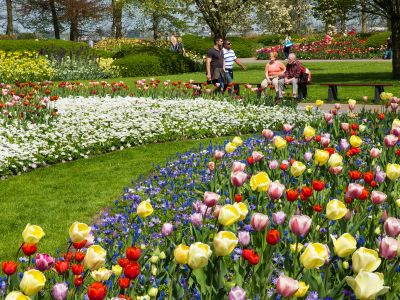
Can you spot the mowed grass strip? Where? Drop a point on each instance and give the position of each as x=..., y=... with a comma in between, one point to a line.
x=55, y=197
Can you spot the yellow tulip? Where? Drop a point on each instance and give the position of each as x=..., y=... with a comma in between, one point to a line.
x=95, y=257
x=237, y=141
x=319, y=103
x=321, y=157
x=17, y=296
x=224, y=243
x=199, y=254
x=335, y=210
x=181, y=254
x=345, y=265
x=32, y=234
x=365, y=259
x=309, y=132
x=297, y=168
x=229, y=148
x=153, y=292
x=242, y=209
x=309, y=107
x=314, y=256
x=345, y=245
x=228, y=214
x=302, y=291
x=101, y=274
x=396, y=123
x=260, y=182
x=352, y=102
x=117, y=270
x=335, y=160
x=280, y=143
x=144, y=209
x=367, y=285
x=78, y=232
x=355, y=141
x=393, y=171
x=362, y=128
x=32, y=282
x=300, y=247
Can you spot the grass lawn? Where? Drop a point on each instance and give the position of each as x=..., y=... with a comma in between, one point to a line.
x=57, y=196
x=322, y=72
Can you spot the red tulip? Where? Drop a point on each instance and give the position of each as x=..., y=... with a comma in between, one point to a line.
x=364, y=195
x=79, y=256
x=133, y=253
x=254, y=258
x=250, y=160
x=273, y=237
x=123, y=262
x=123, y=283
x=368, y=177
x=238, y=198
x=132, y=270
x=78, y=281
x=68, y=256
x=9, y=267
x=246, y=253
x=97, y=291
x=355, y=175
x=29, y=249
x=77, y=269
x=317, y=208
x=283, y=167
x=292, y=195
x=79, y=245
x=62, y=266
x=306, y=191
x=318, y=185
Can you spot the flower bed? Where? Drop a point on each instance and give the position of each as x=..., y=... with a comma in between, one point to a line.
x=303, y=212
x=86, y=126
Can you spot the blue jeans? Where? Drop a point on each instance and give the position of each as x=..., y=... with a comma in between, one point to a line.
x=388, y=54
x=229, y=79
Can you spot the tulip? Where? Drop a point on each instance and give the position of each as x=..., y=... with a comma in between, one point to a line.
x=211, y=166
x=117, y=270
x=393, y=171
x=375, y=153
x=273, y=237
x=32, y=282
x=257, y=156
x=378, y=197
x=167, y=229
x=308, y=156
x=287, y=127
x=268, y=134
x=367, y=285
x=396, y=123
x=300, y=225
x=296, y=248
x=101, y=274
x=237, y=166
x=279, y=217
x=229, y=148
x=242, y=209
x=345, y=126
x=144, y=209
x=95, y=257
x=388, y=248
x=59, y=291
x=325, y=141
x=133, y=253
x=365, y=259
x=78, y=232
x=273, y=164
x=199, y=254
x=352, y=104
x=297, y=168
x=260, y=182
x=44, y=262
x=309, y=132
x=216, y=211
x=354, y=190
x=319, y=103
x=335, y=210
x=355, y=141
x=345, y=245
x=362, y=128
x=244, y=238
x=211, y=199
x=280, y=143
x=259, y=221
x=286, y=286
x=228, y=214
x=32, y=234
x=314, y=256
x=336, y=170
x=396, y=132
x=237, y=141
x=328, y=117
x=218, y=154
x=237, y=293
x=337, y=106
x=336, y=160
x=344, y=144
x=196, y=219
x=391, y=140
x=238, y=178
x=224, y=243
x=132, y=270
x=17, y=296
x=276, y=190
x=181, y=254
x=97, y=291
x=321, y=157
x=302, y=291
x=392, y=227
x=9, y=267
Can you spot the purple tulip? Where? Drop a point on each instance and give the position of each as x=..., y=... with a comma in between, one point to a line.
x=273, y=164
x=59, y=291
x=344, y=144
x=308, y=156
x=279, y=217
x=196, y=219
x=237, y=293
x=244, y=238
x=44, y=262
x=167, y=229
x=380, y=175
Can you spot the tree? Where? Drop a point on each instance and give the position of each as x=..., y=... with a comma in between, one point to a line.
x=10, y=27
x=333, y=11
x=389, y=9
x=117, y=9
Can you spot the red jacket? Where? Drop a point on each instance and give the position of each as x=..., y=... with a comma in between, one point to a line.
x=293, y=70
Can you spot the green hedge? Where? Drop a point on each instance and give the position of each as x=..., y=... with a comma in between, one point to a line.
x=377, y=40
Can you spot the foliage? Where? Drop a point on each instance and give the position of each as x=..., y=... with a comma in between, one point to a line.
x=114, y=45
x=377, y=40
x=8, y=37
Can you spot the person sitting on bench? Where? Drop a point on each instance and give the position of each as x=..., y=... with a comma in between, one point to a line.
x=291, y=75
x=274, y=70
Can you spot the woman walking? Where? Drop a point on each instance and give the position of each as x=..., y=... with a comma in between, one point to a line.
x=288, y=44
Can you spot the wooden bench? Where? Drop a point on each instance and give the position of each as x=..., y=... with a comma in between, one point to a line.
x=333, y=92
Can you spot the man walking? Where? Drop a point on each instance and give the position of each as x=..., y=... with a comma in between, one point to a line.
x=230, y=58
x=215, y=64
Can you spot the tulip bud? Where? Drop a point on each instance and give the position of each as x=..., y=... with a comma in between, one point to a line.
x=167, y=229
x=237, y=293
x=279, y=217
x=300, y=225
x=244, y=238
x=388, y=248
x=268, y=134
x=196, y=219
x=259, y=221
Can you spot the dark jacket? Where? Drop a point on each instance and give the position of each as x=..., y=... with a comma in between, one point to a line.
x=293, y=70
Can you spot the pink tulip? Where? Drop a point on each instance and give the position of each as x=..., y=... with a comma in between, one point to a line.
x=394, y=106
x=4, y=92
x=273, y=164
x=328, y=117
x=167, y=229
x=345, y=126
x=237, y=293
x=244, y=238
x=337, y=106
x=216, y=211
x=259, y=221
x=335, y=170
x=388, y=248
x=384, y=216
x=276, y=190
x=354, y=190
x=211, y=166
x=238, y=178
x=44, y=262
x=375, y=153
x=286, y=286
x=325, y=141
x=352, y=106
x=378, y=197
x=268, y=134
x=196, y=219
x=392, y=227
x=347, y=216
x=379, y=175
x=308, y=156
x=391, y=140
x=238, y=167
x=344, y=144
x=279, y=217
x=211, y=199
x=218, y=154
x=396, y=131
x=300, y=224
x=287, y=127
x=59, y=291
x=257, y=156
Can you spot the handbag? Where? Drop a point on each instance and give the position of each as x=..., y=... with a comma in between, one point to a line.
x=288, y=43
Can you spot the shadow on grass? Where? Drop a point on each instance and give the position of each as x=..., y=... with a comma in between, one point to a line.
x=369, y=77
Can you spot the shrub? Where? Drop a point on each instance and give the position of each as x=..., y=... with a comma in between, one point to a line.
x=26, y=36
x=377, y=40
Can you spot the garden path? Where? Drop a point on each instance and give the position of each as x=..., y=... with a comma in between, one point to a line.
x=253, y=60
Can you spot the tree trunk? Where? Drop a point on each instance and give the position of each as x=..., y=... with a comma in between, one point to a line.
x=363, y=17
x=73, y=31
x=56, y=23
x=117, y=19
x=395, y=25
x=10, y=29
x=155, y=25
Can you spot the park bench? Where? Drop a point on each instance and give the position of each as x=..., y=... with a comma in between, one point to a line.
x=333, y=91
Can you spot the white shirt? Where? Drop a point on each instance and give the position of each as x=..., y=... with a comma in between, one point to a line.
x=229, y=57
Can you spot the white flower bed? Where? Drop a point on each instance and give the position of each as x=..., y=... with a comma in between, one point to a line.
x=94, y=125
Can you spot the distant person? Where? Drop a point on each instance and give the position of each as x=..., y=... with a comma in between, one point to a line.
x=90, y=43
x=288, y=44
x=215, y=64
x=173, y=41
x=274, y=71
x=291, y=75
x=230, y=58
x=388, y=51
x=328, y=39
